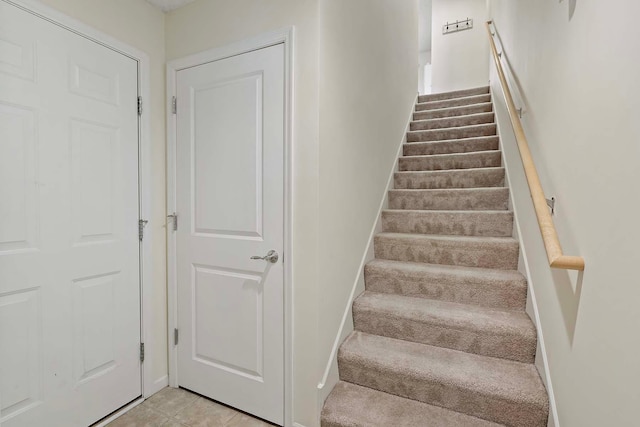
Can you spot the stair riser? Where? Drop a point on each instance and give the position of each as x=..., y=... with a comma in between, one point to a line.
x=453, y=112
x=448, y=103
x=454, y=161
x=499, y=255
x=454, y=133
x=451, y=147
x=455, y=224
x=450, y=179
x=436, y=392
x=476, y=119
x=453, y=94
x=450, y=200
x=505, y=346
x=448, y=287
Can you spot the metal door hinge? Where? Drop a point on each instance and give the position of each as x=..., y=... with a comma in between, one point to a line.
x=139, y=105
x=174, y=105
x=175, y=336
x=141, y=352
x=141, y=225
x=174, y=221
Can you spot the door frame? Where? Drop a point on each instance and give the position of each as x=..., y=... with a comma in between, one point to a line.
x=149, y=385
x=283, y=36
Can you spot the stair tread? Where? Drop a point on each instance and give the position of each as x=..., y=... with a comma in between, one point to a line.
x=458, y=132
x=450, y=161
x=504, y=379
x=451, y=146
x=450, y=178
x=449, y=211
x=472, y=251
x=461, y=117
x=445, y=141
x=465, y=273
x=450, y=103
x=462, y=239
x=454, y=94
x=458, y=107
x=494, y=288
x=459, y=98
x=488, y=169
x=476, y=199
x=353, y=405
x=451, y=155
x=453, y=111
x=498, y=223
x=454, y=128
x=448, y=314
x=470, y=119
x=435, y=190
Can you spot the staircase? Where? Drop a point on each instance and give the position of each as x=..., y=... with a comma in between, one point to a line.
x=441, y=335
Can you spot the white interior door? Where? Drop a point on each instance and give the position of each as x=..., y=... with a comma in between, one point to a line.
x=230, y=189
x=69, y=262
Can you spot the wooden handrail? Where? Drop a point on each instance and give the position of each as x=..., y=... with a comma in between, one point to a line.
x=549, y=235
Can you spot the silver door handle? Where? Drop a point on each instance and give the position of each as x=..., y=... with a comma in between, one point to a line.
x=271, y=256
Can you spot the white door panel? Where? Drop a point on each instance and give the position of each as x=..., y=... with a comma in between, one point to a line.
x=69, y=263
x=230, y=134
x=228, y=149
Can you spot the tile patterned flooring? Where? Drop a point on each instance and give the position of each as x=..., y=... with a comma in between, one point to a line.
x=172, y=407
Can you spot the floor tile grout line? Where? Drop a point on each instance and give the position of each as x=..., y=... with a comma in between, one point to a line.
x=186, y=406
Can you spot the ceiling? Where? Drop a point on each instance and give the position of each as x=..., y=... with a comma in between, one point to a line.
x=167, y=5
x=424, y=17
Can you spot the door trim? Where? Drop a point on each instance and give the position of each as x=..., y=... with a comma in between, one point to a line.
x=149, y=384
x=282, y=36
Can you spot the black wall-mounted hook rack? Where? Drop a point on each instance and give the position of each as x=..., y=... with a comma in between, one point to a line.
x=452, y=27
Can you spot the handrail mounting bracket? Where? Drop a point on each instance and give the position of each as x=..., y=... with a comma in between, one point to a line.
x=552, y=205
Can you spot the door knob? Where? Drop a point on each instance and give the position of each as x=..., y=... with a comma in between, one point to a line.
x=271, y=256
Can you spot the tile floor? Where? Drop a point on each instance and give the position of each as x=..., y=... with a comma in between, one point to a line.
x=173, y=407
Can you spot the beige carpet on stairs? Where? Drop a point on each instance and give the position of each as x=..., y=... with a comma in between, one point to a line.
x=441, y=334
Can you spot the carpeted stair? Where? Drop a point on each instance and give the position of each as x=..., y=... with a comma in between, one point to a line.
x=441, y=334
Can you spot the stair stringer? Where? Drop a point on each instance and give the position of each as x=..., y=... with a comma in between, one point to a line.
x=507, y=145
x=330, y=375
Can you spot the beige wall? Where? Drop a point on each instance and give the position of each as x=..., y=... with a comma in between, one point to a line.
x=140, y=25
x=367, y=58
x=206, y=24
x=459, y=60
x=579, y=78
x=368, y=83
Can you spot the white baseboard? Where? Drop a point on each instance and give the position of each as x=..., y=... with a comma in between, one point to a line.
x=544, y=366
x=156, y=386
x=330, y=376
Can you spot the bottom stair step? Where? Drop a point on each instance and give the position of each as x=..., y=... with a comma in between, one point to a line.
x=502, y=391
x=351, y=405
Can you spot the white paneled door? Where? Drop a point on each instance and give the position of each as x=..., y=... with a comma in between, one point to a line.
x=229, y=195
x=69, y=262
